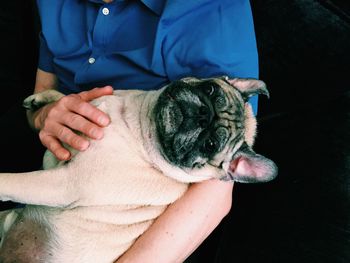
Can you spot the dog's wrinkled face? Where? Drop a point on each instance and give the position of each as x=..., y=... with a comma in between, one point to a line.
x=208, y=123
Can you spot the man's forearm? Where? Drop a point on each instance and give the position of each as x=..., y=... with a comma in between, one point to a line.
x=32, y=119
x=44, y=81
x=184, y=225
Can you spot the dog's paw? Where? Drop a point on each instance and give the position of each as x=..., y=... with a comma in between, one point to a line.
x=37, y=100
x=32, y=103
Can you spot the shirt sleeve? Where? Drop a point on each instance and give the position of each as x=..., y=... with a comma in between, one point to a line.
x=45, y=62
x=217, y=39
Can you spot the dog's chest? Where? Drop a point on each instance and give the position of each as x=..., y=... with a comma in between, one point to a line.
x=99, y=234
x=114, y=171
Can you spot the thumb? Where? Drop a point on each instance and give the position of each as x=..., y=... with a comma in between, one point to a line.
x=96, y=93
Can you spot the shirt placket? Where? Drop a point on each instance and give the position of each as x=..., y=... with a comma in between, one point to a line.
x=99, y=38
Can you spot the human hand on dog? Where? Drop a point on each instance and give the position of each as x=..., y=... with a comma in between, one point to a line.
x=59, y=122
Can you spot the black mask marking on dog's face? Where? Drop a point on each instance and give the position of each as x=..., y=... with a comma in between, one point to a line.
x=195, y=121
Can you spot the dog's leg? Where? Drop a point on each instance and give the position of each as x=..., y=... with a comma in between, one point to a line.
x=38, y=100
x=47, y=187
x=7, y=218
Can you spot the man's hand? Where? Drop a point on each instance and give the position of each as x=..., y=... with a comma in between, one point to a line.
x=59, y=122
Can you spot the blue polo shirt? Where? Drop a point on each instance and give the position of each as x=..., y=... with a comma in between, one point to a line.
x=145, y=44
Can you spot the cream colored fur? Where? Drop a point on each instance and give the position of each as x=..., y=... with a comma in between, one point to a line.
x=99, y=203
x=113, y=188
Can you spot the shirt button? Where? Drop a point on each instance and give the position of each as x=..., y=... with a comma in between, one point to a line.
x=92, y=60
x=105, y=11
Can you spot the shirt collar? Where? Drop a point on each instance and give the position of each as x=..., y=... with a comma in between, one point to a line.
x=155, y=5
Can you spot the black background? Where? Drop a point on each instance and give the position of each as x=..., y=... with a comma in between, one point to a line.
x=304, y=50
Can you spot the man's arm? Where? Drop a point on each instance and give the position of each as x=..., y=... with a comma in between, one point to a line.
x=184, y=225
x=44, y=81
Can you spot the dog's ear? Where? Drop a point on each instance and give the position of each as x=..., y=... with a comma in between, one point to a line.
x=249, y=87
x=248, y=167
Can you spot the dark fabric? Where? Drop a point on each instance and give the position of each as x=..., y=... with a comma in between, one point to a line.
x=18, y=45
x=20, y=148
x=304, y=215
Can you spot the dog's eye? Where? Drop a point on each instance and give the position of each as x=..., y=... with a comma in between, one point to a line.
x=209, y=89
x=197, y=165
x=220, y=102
x=209, y=146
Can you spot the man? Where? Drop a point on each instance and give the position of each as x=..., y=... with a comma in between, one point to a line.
x=140, y=45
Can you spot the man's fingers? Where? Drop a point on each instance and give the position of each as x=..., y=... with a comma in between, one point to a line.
x=90, y=112
x=73, y=103
x=96, y=93
x=69, y=137
x=62, y=134
x=54, y=146
x=73, y=113
x=79, y=123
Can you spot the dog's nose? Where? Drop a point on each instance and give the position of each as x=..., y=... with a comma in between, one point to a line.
x=204, y=111
x=204, y=116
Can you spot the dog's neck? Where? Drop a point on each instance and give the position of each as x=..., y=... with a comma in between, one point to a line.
x=153, y=147
x=137, y=112
x=141, y=123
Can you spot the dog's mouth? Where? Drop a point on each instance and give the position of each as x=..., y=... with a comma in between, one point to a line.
x=182, y=107
x=187, y=122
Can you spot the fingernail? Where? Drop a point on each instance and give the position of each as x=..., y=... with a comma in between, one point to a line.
x=84, y=145
x=64, y=156
x=104, y=121
x=97, y=134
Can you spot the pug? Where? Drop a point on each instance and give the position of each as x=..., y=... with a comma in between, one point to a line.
x=94, y=207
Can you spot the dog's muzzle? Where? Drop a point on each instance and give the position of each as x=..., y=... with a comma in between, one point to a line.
x=185, y=116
